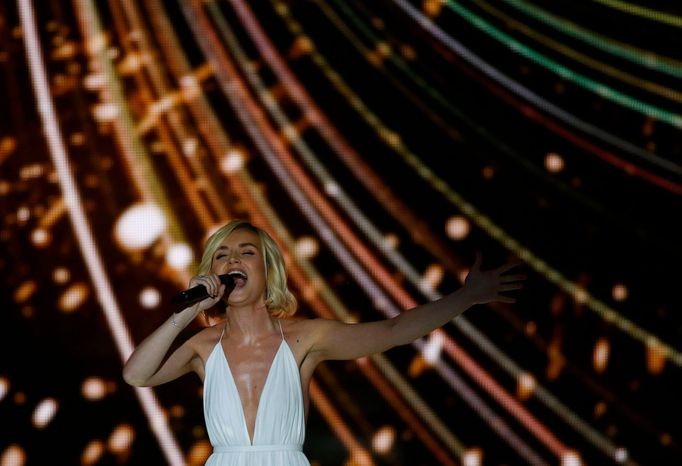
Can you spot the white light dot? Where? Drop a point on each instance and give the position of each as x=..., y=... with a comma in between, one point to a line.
x=94, y=81
x=121, y=438
x=23, y=214
x=44, y=412
x=189, y=80
x=433, y=347
x=331, y=188
x=432, y=277
x=384, y=439
x=472, y=457
x=73, y=297
x=139, y=226
x=40, y=237
x=619, y=292
x=93, y=388
x=61, y=275
x=179, y=256
x=4, y=387
x=570, y=458
x=105, y=112
x=307, y=247
x=13, y=455
x=457, y=227
x=621, y=455
x=391, y=241
x=232, y=162
x=150, y=297
x=526, y=385
x=92, y=453
x=554, y=163
x=189, y=146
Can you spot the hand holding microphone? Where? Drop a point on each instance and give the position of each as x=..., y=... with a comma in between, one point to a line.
x=202, y=287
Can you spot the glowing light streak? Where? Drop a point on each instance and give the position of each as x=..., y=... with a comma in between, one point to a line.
x=581, y=80
x=268, y=214
x=240, y=182
x=359, y=455
x=142, y=170
x=644, y=12
x=641, y=57
x=547, y=41
x=396, y=381
x=84, y=236
x=606, y=312
x=461, y=322
x=164, y=104
x=281, y=163
x=545, y=105
x=349, y=156
x=534, y=425
x=524, y=109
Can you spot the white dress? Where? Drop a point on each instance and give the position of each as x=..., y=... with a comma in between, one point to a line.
x=280, y=422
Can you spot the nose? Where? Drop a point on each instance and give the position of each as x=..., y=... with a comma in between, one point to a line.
x=233, y=258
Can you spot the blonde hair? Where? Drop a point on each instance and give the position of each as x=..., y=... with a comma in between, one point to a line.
x=279, y=301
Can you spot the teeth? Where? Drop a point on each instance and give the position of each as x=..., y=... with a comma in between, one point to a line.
x=237, y=273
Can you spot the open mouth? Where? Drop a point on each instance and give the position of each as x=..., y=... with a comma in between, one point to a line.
x=239, y=277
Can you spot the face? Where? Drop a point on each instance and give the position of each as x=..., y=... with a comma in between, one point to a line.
x=240, y=255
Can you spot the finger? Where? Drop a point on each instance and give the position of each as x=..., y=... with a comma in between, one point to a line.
x=512, y=278
x=510, y=265
x=505, y=299
x=510, y=287
x=477, y=261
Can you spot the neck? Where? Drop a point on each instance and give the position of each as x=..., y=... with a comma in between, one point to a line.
x=251, y=322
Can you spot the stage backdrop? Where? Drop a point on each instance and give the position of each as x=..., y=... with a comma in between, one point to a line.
x=382, y=144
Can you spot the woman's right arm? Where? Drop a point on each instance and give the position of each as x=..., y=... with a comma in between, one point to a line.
x=142, y=368
x=146, y=367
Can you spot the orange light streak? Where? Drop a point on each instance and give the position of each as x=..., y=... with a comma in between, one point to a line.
x=357, y=452
x=373, y=266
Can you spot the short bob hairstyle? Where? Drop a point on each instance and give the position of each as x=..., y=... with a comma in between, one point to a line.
x=279, y=301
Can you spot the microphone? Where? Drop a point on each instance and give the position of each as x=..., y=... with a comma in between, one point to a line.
x=199, y=292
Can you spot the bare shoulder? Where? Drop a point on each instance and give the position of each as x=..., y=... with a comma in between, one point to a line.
x=306, y=332
x=205, y=339
x=303, y=325
x=302, y=334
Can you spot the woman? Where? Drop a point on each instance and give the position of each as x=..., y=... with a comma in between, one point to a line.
x=256, y=363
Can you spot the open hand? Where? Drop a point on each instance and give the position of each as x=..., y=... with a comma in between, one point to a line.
x=484, y=286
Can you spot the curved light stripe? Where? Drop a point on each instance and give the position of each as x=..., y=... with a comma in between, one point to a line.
x=641, y=57
x=643, y=12
x=593, y=63
x=608, y=313
x=240, y=183
x=255, y=122
x=84, y=236
x=600, y=89
x=530, y=96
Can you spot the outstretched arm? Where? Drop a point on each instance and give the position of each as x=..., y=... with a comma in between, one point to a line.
x=337, y=340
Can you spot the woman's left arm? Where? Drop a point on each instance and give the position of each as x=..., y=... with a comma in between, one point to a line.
x=338, y=340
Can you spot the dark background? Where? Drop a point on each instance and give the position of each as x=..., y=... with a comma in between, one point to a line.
x=480, y=133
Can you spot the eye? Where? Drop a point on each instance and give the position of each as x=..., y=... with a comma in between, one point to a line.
x=248, y=253
x=220, y=256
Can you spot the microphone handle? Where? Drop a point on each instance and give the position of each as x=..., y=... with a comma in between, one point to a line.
x=199, y=292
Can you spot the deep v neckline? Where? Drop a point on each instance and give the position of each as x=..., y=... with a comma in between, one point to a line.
x=262, y=392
